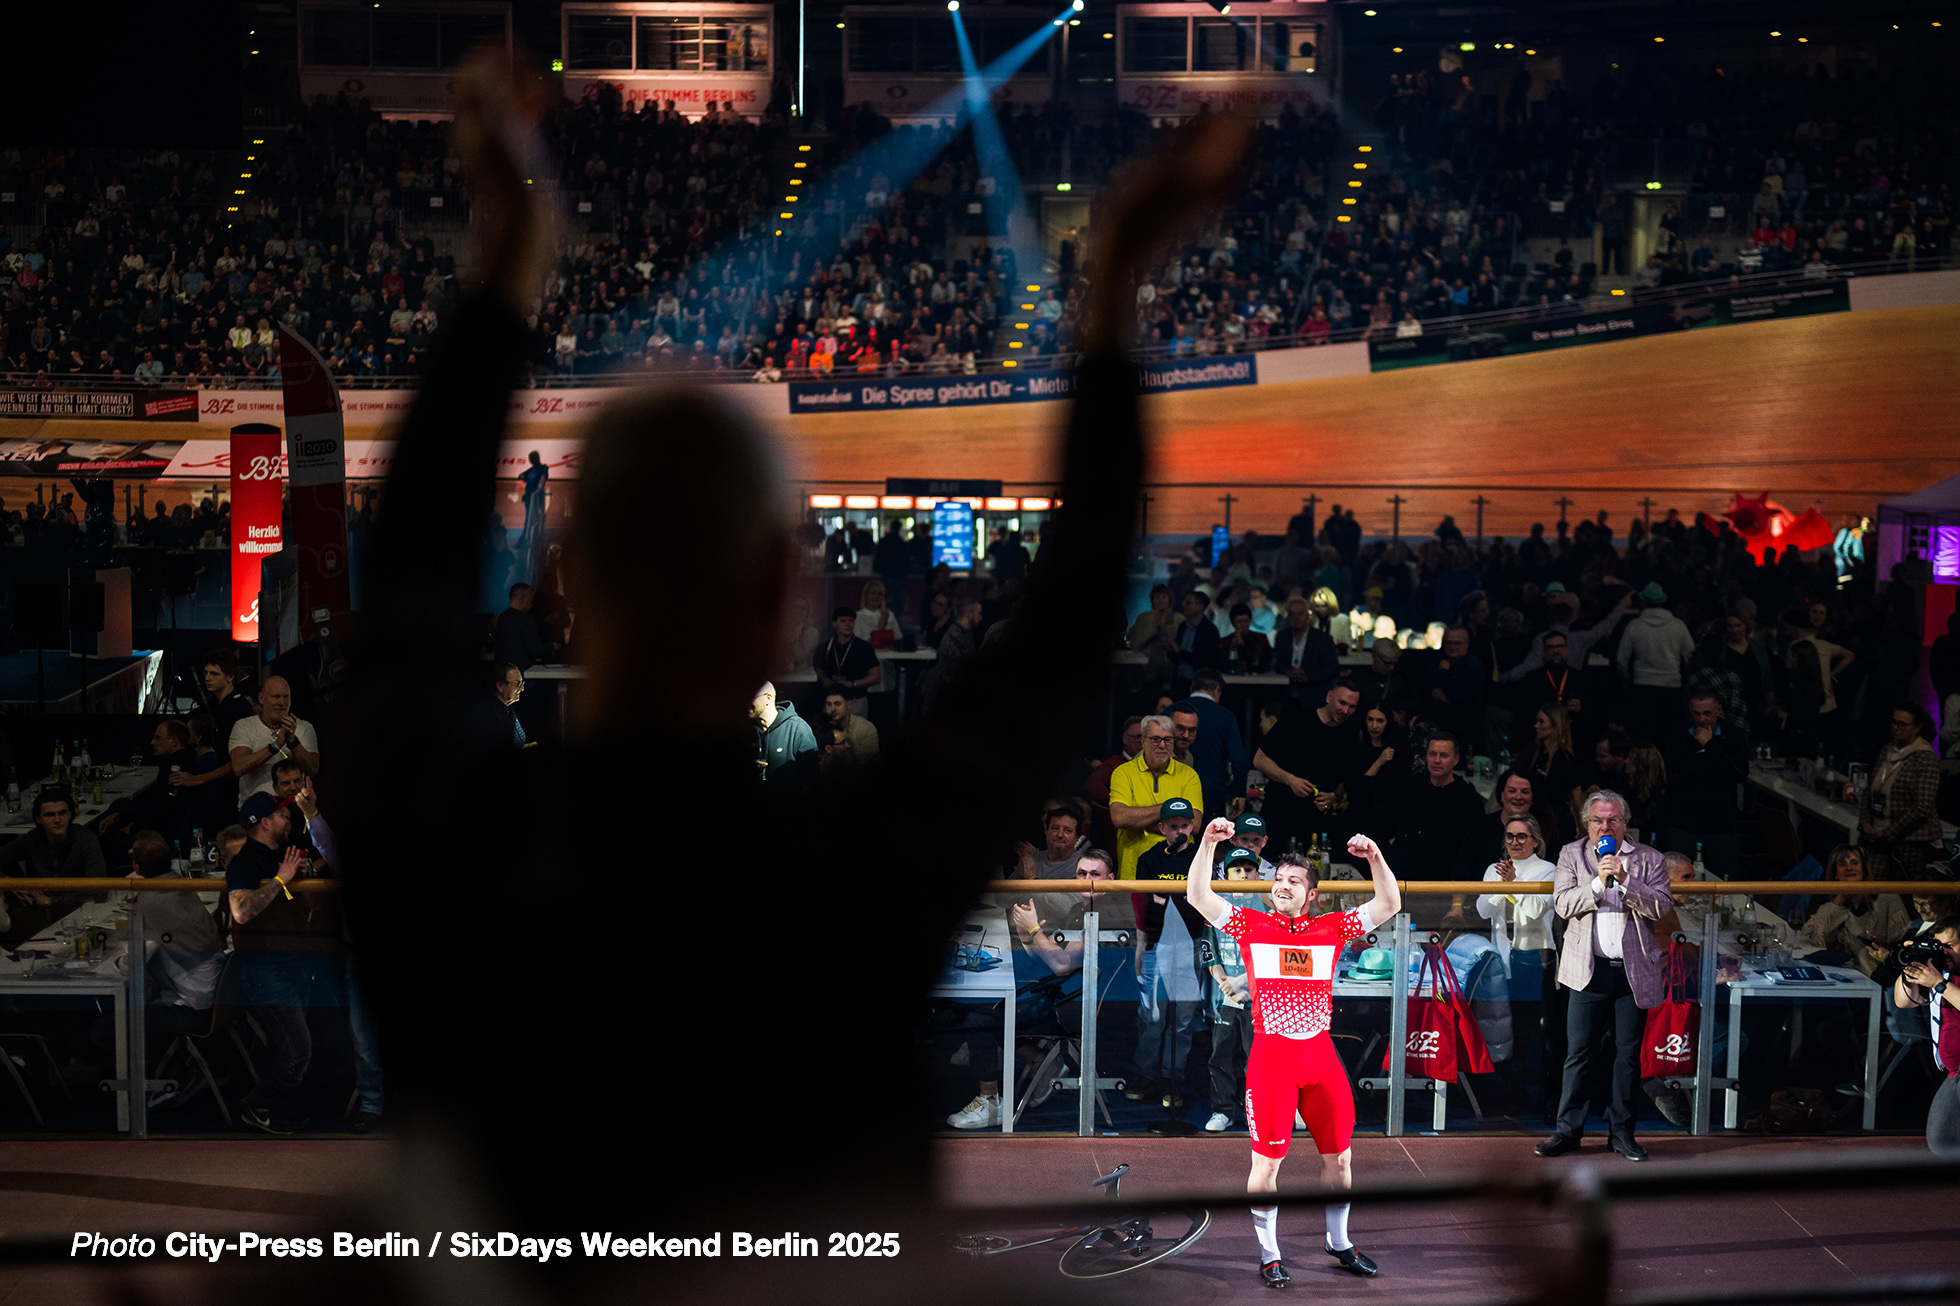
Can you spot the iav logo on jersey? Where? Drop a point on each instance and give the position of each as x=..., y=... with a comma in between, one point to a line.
x=1292, y=961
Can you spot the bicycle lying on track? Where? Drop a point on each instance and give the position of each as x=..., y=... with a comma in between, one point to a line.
x=1100, y=1251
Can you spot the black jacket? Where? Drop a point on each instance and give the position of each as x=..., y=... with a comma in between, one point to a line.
x=1702, y=779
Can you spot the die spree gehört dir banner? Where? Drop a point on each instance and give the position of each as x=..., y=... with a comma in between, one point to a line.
x=870, y=393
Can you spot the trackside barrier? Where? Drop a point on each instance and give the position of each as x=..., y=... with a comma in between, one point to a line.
x=1402, y=939
x=1585, y=1195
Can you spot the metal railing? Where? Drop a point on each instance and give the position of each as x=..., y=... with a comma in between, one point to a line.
x=1401, y=937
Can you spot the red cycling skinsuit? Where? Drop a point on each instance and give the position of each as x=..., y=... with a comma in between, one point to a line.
x=1290, y=963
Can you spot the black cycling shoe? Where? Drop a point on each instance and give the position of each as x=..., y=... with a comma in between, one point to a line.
x=1273, y=1274
x=1354, y=1262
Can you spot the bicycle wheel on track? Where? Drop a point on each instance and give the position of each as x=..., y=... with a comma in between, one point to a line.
x=1132, y=1244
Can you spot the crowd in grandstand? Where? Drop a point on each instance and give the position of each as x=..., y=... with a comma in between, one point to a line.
x=145, y=271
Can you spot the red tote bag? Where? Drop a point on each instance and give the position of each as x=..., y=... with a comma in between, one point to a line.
x=1668, y=1049
x=1475, y=1054
x=1433, y=1023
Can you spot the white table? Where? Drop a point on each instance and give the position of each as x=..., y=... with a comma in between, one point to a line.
x=58, y=975
x=986, y=927
x=1843, y=982
x=1775, y=779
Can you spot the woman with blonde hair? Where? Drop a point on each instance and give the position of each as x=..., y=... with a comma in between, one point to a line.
x=1646, y=783
x=1862, y=926
x=1554, y=771
x=1520, y=920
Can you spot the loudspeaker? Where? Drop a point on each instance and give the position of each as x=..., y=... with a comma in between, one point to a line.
x=40, y=615
x=87, y=608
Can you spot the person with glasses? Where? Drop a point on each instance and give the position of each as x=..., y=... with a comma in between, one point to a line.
x=1519, y=920
x=1898, y=814
x=1138, y=790
x=1609, y=895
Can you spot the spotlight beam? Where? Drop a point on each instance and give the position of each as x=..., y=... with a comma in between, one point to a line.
x=901, y=156
x=1007, y=209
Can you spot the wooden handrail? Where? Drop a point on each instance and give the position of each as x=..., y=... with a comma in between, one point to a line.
x=78, y=884
x=1753, y=888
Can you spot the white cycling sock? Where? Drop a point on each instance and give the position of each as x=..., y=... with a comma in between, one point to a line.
x=1265, y=1223
x=1337, y=1235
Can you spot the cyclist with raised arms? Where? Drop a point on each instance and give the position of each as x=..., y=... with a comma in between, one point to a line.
x=1290, y=955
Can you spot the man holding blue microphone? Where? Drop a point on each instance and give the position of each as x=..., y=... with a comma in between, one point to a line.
x=1609, y=891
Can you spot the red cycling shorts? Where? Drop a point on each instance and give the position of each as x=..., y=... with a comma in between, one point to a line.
x=1287, y=1074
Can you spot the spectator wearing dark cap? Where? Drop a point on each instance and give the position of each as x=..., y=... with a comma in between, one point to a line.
x=1249, y=833
x=1244, y=652
x=845, y=662
x=275, y=972
x=785, y=746
x=1171, y=998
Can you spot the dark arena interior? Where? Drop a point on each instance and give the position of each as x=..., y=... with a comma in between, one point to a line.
x=725, y=650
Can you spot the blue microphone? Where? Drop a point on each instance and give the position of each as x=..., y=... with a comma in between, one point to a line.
x=1606, y=846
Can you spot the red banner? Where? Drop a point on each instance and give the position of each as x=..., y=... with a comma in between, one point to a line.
x=255, y=494
x=317, y=469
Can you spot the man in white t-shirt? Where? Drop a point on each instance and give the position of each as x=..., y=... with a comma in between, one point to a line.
x=259, y=741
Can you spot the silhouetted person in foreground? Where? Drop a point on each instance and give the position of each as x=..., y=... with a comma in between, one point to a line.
x=582, y=1031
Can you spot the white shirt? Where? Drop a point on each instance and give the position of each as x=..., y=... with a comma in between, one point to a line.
x=252, y=733
x=1520, y=920
x=1609, y=926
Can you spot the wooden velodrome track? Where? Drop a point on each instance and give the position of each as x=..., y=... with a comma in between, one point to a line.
x=1843, y=410
x=1847, y=409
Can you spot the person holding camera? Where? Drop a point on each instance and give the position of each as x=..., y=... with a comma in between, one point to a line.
x=1926, y=979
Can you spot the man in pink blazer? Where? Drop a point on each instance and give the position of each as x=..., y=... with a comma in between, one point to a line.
x=1611, y=964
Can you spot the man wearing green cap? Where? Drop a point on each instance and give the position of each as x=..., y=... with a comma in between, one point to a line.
x=1171, y=999
x=1563, y=610
x=1249, y=833
x=1652, y=652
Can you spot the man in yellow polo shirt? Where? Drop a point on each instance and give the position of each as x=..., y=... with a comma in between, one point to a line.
x=1140, y=787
